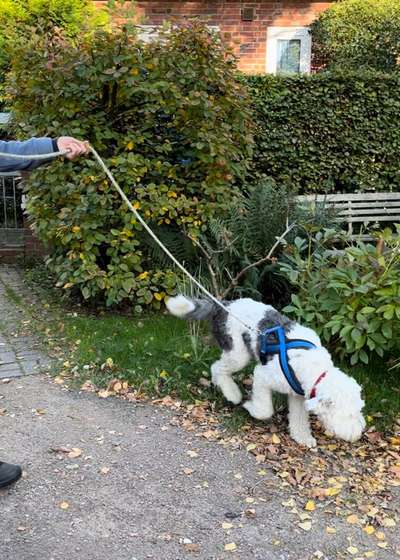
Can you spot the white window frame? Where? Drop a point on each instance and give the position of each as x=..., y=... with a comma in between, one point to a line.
x=288, y=33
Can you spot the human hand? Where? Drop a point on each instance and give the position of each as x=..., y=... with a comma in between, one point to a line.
x=72, y=146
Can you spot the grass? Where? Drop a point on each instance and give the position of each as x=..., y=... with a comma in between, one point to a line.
x=161, y=355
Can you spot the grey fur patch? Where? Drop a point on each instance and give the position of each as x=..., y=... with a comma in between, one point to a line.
x=219, y=319
x=247, y=342
x=204, y=309
x=272, y=319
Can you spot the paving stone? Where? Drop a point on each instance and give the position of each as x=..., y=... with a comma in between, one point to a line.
x=19, y=354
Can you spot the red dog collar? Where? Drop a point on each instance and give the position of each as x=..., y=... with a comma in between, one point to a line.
x=313, y=391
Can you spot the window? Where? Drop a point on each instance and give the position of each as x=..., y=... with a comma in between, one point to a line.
x=288, y=50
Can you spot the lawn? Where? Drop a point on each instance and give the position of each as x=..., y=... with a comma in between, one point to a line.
x=161, y=355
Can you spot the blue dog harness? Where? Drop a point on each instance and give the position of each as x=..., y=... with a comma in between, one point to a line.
x=280, y=345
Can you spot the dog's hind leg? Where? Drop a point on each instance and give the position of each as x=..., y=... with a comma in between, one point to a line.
x=299, y=425
x=260, y=406
x=222, y=370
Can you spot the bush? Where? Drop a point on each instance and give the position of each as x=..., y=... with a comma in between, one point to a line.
x=231, y=256
x=352, y=296
x=173, y=124
x=328, y=132
x=354, y=34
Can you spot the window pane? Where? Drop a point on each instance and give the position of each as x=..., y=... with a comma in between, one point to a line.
x=289, y=55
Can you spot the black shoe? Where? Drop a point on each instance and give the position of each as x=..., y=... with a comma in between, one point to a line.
x=9, y=474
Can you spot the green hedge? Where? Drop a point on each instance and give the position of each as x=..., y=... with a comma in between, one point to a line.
x=328, y=132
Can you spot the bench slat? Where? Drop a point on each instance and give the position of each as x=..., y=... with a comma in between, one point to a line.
x=353, y=219
x=369, y=211
x=346, y=197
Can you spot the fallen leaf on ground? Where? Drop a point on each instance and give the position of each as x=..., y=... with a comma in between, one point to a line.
x=230, y=547
x=64, y=505
x=192, y=453
x=105, y=470
x=306, y=526
x=74, y=453
x=310, y=506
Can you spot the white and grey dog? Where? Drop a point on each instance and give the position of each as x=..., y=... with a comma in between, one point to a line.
x=328, y=392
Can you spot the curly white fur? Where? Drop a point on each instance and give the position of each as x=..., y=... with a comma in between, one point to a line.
x=337, y=403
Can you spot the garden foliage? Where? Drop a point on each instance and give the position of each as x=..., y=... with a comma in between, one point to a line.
x=171, y=121
x=19, y=18
x=358, y=34
x=328, y=132
x=350, y=296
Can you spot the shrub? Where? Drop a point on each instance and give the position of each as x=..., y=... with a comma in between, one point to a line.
x=356, y=34
x=173, y=124
x=231, y=256
x=328, y=132
x=351, y=296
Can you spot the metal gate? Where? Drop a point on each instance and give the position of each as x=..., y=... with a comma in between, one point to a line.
x=11, y=214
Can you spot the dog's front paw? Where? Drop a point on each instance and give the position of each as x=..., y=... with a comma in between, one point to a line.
x=257, y=412
x=308, y=441
x=233, y=394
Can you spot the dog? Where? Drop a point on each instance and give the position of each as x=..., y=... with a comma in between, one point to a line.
x=329, y=393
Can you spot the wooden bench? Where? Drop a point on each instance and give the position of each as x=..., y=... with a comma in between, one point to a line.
x=360, y=209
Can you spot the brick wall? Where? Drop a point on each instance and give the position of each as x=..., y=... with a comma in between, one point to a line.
x=247, y=37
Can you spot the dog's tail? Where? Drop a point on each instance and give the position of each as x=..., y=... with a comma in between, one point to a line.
x=193, y=309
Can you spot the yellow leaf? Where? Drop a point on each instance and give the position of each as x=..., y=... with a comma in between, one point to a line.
x=380, y=535
x=136, y=205
x=310, y=505
x=192, y=453
x=143, y=275
x=75, y=229
x=369, y=529
x=275, y=439
x=352, y=519
x=67, y=285
x=382, y=544
x=369, y=554
x=352, y=550
x=163, y=374
x=331, y=530
x=130, y=145
x=333, y=491
x=230, y=547
x=249, y=500
x=74, y=453
x=306, y=526
x=158, y=296
x=388, y=522
x=251, y=446
x=64, y=505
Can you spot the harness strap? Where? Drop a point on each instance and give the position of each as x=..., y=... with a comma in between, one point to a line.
x=281, y=349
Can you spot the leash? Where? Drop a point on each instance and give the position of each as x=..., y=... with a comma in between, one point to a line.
x=266, y=347
x=141, y=221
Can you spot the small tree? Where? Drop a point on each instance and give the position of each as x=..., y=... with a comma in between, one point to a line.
x=354, y=34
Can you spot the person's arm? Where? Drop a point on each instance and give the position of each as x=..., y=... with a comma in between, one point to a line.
x=34, y=146
x=38, y=146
